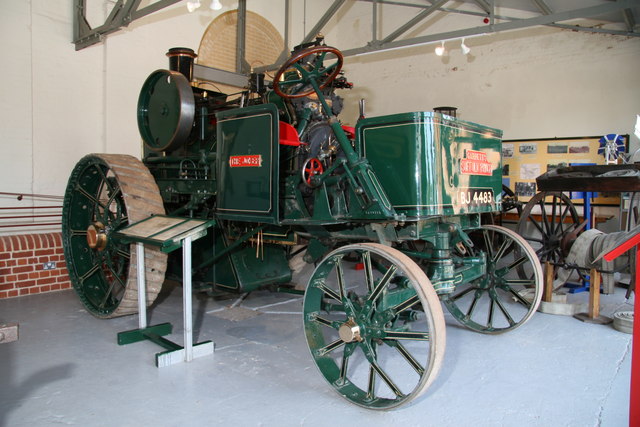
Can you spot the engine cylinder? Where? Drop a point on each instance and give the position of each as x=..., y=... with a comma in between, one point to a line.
x=181, y=60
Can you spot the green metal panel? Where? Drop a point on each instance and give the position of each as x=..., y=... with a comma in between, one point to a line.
x=248, y=164
x=430, y=164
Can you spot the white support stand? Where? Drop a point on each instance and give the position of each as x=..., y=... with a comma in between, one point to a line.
x=175, y=353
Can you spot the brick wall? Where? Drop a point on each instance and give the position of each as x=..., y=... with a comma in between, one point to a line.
x=22, y=265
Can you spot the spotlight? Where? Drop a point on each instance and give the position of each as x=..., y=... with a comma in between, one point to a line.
x=465, y=48
x=193, y=5
x=440, y=49
x=215, y=5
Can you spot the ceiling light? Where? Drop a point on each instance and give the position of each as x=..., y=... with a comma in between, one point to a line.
x=193, y=5
x=215, y=5
x=465, y=48
x=440, y=49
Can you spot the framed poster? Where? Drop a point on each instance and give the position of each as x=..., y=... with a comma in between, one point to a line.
x=523, y=160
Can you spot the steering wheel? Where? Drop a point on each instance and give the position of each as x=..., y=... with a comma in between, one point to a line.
x=307, y=71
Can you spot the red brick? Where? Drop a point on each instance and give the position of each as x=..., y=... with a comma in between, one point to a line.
x=51, y=242
x=60, y=251
x=66, y=285
x=11, y=263
x=58, y=239
x=23, y=261
x=5, y=255
x=2, y=279
x=30, y=241
x=34, y=290
x=5, y=271
x=15, y=243
x=5, y=244
x=34, y=275
x=26, y=284
x=62, y=265
x=21, y=277
x=7, y=287
x=63, y=278
x=12, y=278
x=44, y=273
x=24, y=291
x=13, y=293
x=41, y=252
x=55, y=287
x=44, y=259
x=45, y=288
x=23, y=254
x=25, y=269
x=46, y=280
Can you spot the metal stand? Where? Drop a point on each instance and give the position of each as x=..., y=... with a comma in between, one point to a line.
x=175, y=353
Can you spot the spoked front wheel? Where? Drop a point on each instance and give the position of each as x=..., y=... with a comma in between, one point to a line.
x=377, y=335
x=504, y=298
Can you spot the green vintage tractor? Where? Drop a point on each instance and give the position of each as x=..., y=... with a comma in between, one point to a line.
x=388, y=211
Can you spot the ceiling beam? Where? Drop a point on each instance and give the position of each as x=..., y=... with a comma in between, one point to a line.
x=412, y=22
x=323, y=21
x=123, y=13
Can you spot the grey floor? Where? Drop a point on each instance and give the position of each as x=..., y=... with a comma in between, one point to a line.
x=67, y=369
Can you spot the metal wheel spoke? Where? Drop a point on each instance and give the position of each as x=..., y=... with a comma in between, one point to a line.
x=537, y=225
x=472, y=306
x=506, y=244
x=326, y=322
x=406, y=335
x=377, y=291
x=488, y=246
x=505, y=312
x=519, y=282
x=330, y=293
x=463, y=293
x=405, y=305
x=386, y=379
x=368, y=270
x=409, y=358
x=89, y=273
x=91, y=197
x=516, y=263
x=371, y=383
x=490, y=314
x=78, y=233
x=330, y=347
x=340, y=274
x=519, y=297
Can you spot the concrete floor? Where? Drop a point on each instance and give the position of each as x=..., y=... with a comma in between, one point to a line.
x=67, y=369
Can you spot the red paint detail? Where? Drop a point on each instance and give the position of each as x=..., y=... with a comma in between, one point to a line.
x=246, y=161
x=475, y=163
x=634, y=399
x=350, y=131
x=289, y=135
x=314, y=167
x=360, y=266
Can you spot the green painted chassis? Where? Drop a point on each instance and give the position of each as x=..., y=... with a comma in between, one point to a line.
x=400, y=181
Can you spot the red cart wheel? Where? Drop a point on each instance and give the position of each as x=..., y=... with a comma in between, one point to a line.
x=311, y=167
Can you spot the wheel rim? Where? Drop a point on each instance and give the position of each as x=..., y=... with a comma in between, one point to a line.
x=501, y=300
x=104, y=194
x=552, y=235
x=377, y=335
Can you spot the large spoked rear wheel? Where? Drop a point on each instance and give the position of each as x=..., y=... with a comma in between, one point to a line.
x=377, y=335
x=504, y=298
x=105, y=193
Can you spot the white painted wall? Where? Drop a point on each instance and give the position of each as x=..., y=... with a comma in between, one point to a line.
x=58, y=104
